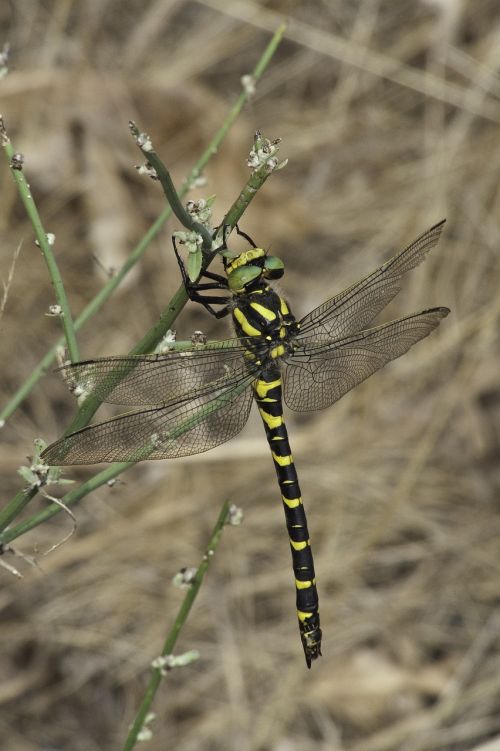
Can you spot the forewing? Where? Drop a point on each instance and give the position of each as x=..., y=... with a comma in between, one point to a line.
x=156, y=379
x=317, y=376
x=357, y=306
x=190, y=426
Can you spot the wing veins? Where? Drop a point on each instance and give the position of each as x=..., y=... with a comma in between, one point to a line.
x=345, y=313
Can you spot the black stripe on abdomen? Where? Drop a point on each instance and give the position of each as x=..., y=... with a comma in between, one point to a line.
x=268, y=395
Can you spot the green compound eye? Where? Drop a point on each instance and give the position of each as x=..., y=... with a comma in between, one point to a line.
x=274, y=268
x=239, y=278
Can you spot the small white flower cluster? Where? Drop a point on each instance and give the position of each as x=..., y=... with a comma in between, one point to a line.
x=168, y=662
x=192, y=240
x=248, y=83
x=148, y=170
x=264, y=153
x=201, y=210
x=165, y=344
x=185, y=577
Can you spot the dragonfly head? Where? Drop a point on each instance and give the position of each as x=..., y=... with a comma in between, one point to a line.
x=249, y=267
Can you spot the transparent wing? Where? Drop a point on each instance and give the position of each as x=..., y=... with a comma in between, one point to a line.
x=156, y=379
x=195, y=424
x=355, y=307
x=316, y=376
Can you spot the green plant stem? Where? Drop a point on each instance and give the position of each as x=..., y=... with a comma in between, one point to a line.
x=169, y=190
x=253, y=185
x=45, y=247
x=174, y=632
x=16, y=505
x=94, y=306
x=69, y=499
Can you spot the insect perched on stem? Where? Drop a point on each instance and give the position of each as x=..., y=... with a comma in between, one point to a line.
x=191, y=401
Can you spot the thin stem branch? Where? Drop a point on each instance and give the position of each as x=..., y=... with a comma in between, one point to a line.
x=114, y=470
x=16, y=167
x=163, y=175
x=16, y=505
x=174, y=632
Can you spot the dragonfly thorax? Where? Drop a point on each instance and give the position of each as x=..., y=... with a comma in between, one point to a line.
x=246, y=270
x=263, y=320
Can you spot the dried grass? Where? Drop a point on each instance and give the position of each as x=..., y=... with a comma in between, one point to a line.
x=389, y=113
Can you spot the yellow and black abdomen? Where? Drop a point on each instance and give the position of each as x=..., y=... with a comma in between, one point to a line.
x=268, y=395
x=263, y=316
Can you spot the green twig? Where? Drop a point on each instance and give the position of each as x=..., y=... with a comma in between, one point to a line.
x=267, y=164
x=15, y=506
x=94, y=306
x=163, y=175
x=110, y=473
x=174, y=632
x=16, y=167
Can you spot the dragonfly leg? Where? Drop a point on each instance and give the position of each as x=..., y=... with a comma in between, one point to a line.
x=243, y=234
x=222, y=281
x=197, y=286
x=208, y=300
x=196, y=290
x=225, y=230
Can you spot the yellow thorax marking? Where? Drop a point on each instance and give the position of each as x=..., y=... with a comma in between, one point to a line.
x=269, y=315
x=246, y=327
x=284, y=307
x=244, y=258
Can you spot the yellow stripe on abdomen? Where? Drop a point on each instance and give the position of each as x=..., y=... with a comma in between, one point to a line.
x=270, y=420
x=282, y=461
x=262, y=388
x=291, y=502
x=302, y=615
x=304, y=585
x=299, y=545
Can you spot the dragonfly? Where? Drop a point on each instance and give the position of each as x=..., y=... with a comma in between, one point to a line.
x=190, y=401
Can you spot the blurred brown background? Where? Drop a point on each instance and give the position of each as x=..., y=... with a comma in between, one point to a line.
x=390, y=116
